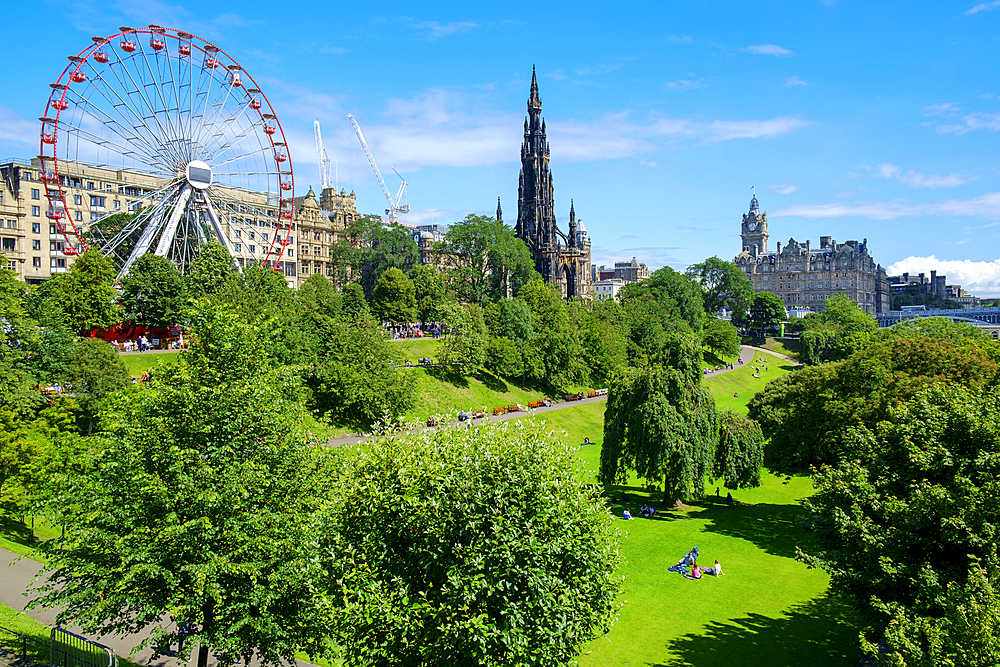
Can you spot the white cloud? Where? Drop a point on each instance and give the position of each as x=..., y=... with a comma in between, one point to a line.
x=983, y=7
x=783, y=189
x=770, y=50
x=681, y=39
x=723, y=130
x=687, y=84
x=973, y=121
x=793, y=81
x=558, y=75
x=918, y=180
x=435, y=30
x=441, y=216
x=17, y=132
x=984, y=206
x=600, y=69
x=941, y=109
x=978, y=277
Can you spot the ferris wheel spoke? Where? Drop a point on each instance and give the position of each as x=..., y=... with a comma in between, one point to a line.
x=137, y=90
x=158, y=81
x=225, y=144
x=221, y=107
x=206, y=100
x=103, y=142
x=138, y=123
x=261, y=150
x=136, y=143
x=153, y=226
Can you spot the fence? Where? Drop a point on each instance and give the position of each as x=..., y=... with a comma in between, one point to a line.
x=71, y=650
x=21, y=644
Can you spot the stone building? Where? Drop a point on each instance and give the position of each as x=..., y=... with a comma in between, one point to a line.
x=318, y=225
x=562, y=259
x=804, y=276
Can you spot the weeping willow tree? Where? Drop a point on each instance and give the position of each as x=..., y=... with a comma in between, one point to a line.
x=740, y=452
x=663, y=425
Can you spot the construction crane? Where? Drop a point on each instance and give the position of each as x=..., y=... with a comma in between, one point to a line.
x=324, y=159
x=395, y=204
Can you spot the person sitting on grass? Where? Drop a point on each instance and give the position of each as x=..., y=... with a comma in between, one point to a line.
x=652, y=511
x=644, y=510
x=717, y=570
x=626, y=516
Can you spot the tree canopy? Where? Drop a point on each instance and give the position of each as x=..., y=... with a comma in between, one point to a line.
x=766, y=310
x=723, y=285
x=477, y=546
x=153, y=291
x=394, y=298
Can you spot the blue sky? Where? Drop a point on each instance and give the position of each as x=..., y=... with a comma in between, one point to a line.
x=852, y=119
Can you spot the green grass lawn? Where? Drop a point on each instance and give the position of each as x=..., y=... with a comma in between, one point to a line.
x=139, y=363
x=786, y=346
x=767, y=610
x=741, y=381
x=21, y=623
x=445, y=389
x=414, y=348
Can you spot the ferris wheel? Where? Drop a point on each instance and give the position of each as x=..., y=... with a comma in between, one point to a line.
x=193, y=135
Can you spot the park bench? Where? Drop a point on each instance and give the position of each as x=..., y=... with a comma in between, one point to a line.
x=591, y=394
x=573, y=397
x=515, y=408
x=535, y=404
x=499, y=411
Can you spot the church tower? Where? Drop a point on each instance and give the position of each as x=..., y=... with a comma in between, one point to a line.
x=754, y=229
x=536, y=217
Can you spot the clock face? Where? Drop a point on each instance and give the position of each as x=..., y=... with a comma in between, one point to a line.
x=752, y=226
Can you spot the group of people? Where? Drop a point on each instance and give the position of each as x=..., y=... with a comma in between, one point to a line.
x=647, y=511
x=140, y=344
x=402, y=331
x=146, y=377
x=726, y=367
x=689, y=568
x=757, y=368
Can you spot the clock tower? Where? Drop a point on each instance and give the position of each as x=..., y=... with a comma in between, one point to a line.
x=754, y=230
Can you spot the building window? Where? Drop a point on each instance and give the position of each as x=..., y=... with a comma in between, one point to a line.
x=251, y=248
x=291, y=251
x=36, y=211
x=36, y=228
x=36, y=244
x=9, y=245
x=57, y=263
x=53, y=230
x=94, y=216
x=263, y=237
x=36, y=262
x=97, y=201
x=250, y=236
x=90, y=185
x=316, y=236
x=239, y=234
x=35, y=194
x=238, y=247
x=78, y=216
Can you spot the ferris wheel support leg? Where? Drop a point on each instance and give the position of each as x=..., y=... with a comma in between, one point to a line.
x=167, y=237
x=142, y=247
x=220, y=235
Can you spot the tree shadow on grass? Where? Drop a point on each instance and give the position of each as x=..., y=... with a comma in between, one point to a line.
x=637, y=497
x=777, y=529
x=450, y=374
x=492, y=382
x=12, y=528
x=820, y=632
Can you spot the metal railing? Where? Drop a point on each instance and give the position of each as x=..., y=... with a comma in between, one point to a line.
x=71, y=650
x=20, y=644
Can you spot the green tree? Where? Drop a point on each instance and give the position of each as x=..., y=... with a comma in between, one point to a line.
x=740, y=452
x=153, y=291
x=556, y=342
x=429, y=292
x=721, y=337
x=766, y=310
x=487, y=260
x=95, y=371
x=367, y=248
x=901, y=519
x=467, y=337
x=317, y=294
x=504, y=358
x=394, y=298
x=605, y=340
x=509, y=318
x=664, y=427
x=478, y=546
x=841, y=329
x=665, y=303
x=354, y=300
x=723, y=285
x=199, y=507
x=353, y=381
x=87, y=293
x=807, y=415
x=210, y=271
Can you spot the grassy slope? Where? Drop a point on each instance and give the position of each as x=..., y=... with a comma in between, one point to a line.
x=415, y=348
x=768, y=610
x=441, y=390
x=787, y=346
x=21, y=623
x=139, y=363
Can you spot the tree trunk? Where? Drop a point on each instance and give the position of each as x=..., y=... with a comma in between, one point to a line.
x=208, y=617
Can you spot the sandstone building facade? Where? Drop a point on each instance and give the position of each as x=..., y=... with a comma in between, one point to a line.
x=804, y=276
x=562, y=259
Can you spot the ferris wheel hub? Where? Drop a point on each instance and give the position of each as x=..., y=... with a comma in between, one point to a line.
x=198, y=174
